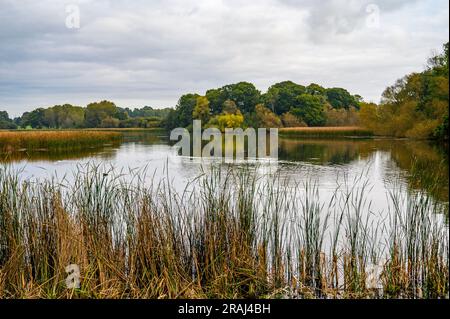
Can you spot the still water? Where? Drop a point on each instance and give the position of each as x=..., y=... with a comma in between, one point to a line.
x=384, y=163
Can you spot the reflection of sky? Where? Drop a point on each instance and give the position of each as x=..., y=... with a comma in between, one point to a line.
x=378, y=169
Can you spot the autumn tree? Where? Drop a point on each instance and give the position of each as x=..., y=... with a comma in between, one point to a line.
x=99, y=111
x=266, y=118
x=201, y=110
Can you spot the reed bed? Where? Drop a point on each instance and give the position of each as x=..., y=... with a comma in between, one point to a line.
x=338, y=131
x=230, y=234
x=69, y=140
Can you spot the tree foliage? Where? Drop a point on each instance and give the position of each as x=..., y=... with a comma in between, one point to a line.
x=266, y=118
x=6, y=122
x=201, y=110
x=290, y=120
x=34, y=119
x=341, y=98
x=311, y=109
x=416, y=105
x=64, y=116
x=97, y=112
x=185, y=108
x=281, y=97
x=243, y=94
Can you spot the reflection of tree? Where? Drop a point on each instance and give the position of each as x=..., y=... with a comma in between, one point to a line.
x=319, y=151
x=425, y=163
x=59, y=154
x=146, y=137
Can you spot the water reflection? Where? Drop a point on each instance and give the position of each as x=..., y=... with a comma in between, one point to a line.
x=424, y=164
x=421, y=164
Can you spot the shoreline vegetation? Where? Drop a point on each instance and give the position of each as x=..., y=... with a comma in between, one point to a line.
x=340, y=131
x=416, y=106
x=229, y=234
x=11, y=141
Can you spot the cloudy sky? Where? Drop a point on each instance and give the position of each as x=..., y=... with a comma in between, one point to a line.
x=138, y=52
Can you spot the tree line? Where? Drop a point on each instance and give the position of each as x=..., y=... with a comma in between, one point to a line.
x=416, y=105
x=285, y=104
x=235, y=105
x=104, y=114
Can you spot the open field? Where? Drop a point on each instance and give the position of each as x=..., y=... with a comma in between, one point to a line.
x=233, y=235
x=32, y=140
x=338, y=131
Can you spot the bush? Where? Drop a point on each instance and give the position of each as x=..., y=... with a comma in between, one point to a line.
x=110, y=122
x=290, y=120
x=342, y=117
x=423, y=130
x=266, y=118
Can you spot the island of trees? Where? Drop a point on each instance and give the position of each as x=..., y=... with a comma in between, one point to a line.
x=415, y=106
x=104, y=114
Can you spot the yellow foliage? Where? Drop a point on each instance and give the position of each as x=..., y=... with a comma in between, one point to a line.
x=423, y=129
x=230, y=121
x=290, y=120
x=342, y=117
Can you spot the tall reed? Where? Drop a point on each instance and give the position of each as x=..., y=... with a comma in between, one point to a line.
x=232, y=233
x=32, y=140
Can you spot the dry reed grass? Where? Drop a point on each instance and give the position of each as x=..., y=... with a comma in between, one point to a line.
x=32, y=140
x=230, y=234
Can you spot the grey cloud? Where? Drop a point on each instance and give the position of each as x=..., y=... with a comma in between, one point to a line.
x=151, y=52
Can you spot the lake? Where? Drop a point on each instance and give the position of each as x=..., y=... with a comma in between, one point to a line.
x=386, y=163
x=343, y=210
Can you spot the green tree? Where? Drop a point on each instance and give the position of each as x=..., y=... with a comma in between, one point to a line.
x=185, y=108
x=121, y=114
x=171, y=121
x=310, y=109
x=341, y=98
x=148, y=111
x=98, y=111
x=64, y=116
x=243, y=94
x=35, y=119
x=216, y=98
x=281, y=97
x=6, y=122
x=315, y=89
x=110, y=122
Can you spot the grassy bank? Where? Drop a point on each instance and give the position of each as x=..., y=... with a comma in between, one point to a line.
x=11, y=141
x=230, y=234
x=130, y=129
x=338, y=131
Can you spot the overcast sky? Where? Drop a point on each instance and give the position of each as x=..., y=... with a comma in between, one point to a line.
x=138, y=52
